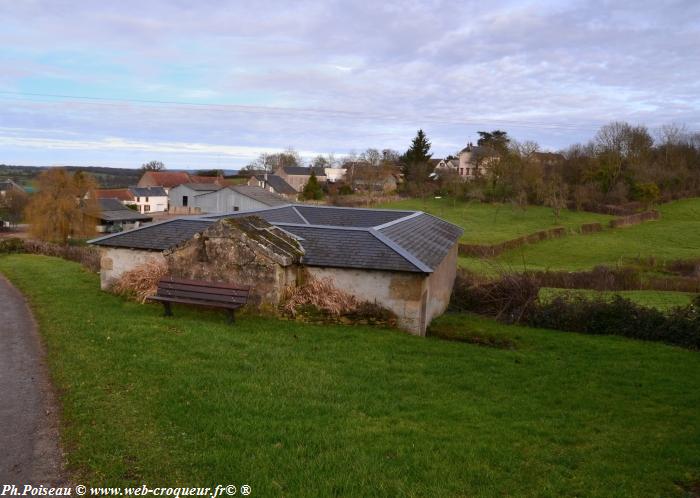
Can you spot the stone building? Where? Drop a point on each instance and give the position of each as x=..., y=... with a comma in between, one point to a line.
x=405, y=261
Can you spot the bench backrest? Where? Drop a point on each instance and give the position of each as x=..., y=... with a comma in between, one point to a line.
x=204, y=291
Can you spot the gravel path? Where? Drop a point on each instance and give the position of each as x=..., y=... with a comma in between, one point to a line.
x=29, y=437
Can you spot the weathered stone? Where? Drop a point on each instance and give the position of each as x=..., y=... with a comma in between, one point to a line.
x=244, y=251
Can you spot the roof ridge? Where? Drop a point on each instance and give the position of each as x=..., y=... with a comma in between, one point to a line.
x=401, y=251
x=294, y=208
x=415, y=214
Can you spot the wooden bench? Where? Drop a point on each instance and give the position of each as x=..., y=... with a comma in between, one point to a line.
x=201, y=293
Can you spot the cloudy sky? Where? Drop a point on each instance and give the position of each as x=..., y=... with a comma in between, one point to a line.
x=213, y=83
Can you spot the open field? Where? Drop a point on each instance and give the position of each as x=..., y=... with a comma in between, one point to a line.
x=488, y=223
x=675, y=236
x=303, y=410
x=661, y=300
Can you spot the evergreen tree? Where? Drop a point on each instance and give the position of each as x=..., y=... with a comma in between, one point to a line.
x=312, y=189
x=416, y=159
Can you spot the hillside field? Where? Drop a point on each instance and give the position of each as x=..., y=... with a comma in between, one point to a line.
x=307, y=410
x=486, y=223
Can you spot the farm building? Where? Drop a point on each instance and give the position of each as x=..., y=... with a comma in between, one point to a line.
x=237, y=198
x=405, y=261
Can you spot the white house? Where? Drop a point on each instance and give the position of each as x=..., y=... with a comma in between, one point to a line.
x=150, y=199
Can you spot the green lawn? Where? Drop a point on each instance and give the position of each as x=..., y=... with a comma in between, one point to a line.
x=488, y=223
x=304, y=410
x=662, y=300
x=675, y=236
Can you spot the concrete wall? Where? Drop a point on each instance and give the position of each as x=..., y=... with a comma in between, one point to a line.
x=115, y=261
x=440, y=284
x=175, y=196
x=399, y=292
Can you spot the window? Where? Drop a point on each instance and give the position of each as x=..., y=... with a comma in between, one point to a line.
x=236, y=208
x=146, y=199
x=146, y=208
x=184, y=201
x=138, y=199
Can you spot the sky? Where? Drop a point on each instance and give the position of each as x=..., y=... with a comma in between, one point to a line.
x=212, y=84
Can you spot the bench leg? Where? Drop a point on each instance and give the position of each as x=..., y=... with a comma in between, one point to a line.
x=231, y=317
x=166, y=309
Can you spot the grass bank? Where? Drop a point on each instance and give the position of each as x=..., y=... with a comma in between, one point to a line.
x=304, y=410
x=486, y=223
x=675, y=236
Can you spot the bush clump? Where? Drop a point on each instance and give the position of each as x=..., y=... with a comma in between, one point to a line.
x=12, y=245
x=679, y=326
x=508, y=298
x=88, y=256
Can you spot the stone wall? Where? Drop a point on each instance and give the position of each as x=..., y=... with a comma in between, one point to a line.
x=232, y=251
x=114, y=261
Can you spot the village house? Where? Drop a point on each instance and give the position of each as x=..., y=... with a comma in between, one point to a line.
x=405, y=261
x=275, y=184
x=298, y=176
x=149, y=199
x=113, y=216
x=472, y=162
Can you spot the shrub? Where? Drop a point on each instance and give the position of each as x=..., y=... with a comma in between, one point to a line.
x=680, y=326
x=141, y=282
x=508, y=298
x=88, y=256
x=11, y=245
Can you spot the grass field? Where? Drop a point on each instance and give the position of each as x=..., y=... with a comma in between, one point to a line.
x=303, y=410
x=675, y=236
x=662, y=300
x=488, y=223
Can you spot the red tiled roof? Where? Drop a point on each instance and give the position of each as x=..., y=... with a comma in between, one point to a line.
x=165, y=179
x=122, y=194
x=169, y=179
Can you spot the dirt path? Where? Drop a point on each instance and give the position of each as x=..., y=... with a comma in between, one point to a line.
x=29, y=437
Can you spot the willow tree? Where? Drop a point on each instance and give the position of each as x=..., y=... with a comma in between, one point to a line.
x=64, y=207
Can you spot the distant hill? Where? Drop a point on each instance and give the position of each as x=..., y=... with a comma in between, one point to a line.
x=106, y=177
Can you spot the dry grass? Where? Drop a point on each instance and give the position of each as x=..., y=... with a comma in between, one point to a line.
x=321, y=294
x=141, y=282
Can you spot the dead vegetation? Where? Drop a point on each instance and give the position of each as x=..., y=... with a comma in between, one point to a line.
x=141, y=282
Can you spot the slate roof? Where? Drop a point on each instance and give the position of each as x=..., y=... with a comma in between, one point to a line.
x=278, y=184
x=113, y=210
x=349, y=217
x=283, y=214
x=303, y=170
x=156, y=237
x=148, y=191
x=370, y=239
x=337, y=247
